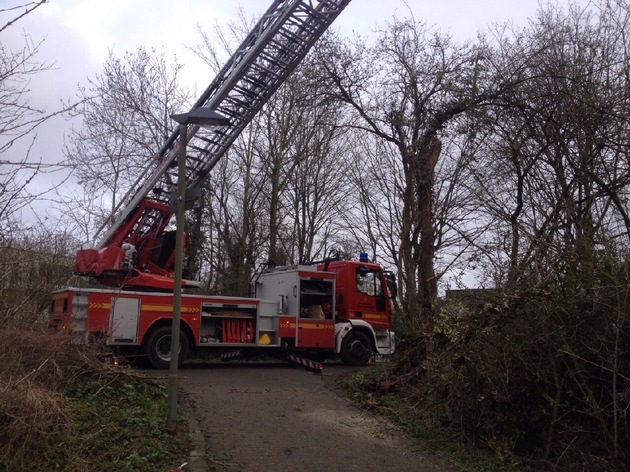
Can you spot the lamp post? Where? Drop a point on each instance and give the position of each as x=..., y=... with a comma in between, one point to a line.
x=206, y=118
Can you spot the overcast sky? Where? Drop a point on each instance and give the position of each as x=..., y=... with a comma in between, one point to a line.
x=78, y=34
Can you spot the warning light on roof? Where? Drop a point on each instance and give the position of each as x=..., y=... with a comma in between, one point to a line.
x=363, y=257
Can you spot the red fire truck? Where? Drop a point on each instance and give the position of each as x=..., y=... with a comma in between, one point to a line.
x=303, y=313
x=335, y=307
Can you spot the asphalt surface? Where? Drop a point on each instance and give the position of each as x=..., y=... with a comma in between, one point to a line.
x=268, y=416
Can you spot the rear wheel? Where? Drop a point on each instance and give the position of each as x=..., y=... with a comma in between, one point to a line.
x=158, y=347
x=356, y=348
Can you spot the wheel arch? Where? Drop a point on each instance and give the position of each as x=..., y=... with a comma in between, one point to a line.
x=342, y=329
x=183, y=326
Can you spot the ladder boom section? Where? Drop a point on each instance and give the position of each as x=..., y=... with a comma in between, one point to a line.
x=263, y=61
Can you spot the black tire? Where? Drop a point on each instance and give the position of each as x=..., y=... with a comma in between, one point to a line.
x=158, y=347
x=356, y=348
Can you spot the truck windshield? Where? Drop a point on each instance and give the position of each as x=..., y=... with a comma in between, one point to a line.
x=369, y=281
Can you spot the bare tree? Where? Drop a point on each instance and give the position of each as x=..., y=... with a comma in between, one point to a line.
x=19, y=121
x=551, y=180
x=279, y=191
x=556, y=168
x=306, y=161
x=125, y=119
x=406, y=90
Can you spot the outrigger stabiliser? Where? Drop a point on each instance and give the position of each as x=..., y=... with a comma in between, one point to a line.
x=291, y=358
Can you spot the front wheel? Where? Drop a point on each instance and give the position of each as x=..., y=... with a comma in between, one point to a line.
x=356, y=348
x=158, y=347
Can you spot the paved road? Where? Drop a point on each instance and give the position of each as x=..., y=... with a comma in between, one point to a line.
x=274, y=416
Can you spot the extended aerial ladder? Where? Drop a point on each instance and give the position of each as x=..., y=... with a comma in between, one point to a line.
x=137, y=250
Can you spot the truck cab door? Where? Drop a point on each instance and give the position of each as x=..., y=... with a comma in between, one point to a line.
x=371, y=303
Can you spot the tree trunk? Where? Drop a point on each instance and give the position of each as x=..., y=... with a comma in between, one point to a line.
x=427, y=282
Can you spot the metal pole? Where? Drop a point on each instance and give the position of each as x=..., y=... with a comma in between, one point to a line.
x=171, y=419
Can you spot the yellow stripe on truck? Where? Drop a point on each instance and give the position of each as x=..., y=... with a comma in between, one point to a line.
x=314, y=326
x=160, y=308
x=169, y=308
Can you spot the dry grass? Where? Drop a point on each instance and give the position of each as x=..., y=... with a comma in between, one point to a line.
x=36, y=370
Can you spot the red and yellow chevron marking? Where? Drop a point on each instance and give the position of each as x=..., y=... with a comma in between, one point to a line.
x=99, y=306
x=316, y=326
x=169, y=308
x=287, y=324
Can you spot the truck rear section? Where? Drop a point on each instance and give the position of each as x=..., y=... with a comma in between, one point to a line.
x=140, y=322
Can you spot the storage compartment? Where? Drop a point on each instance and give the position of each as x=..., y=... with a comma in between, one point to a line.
x=302, y=291
x=253, y=324
x=227, y=324
x=267, y=332
x=316, y=299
